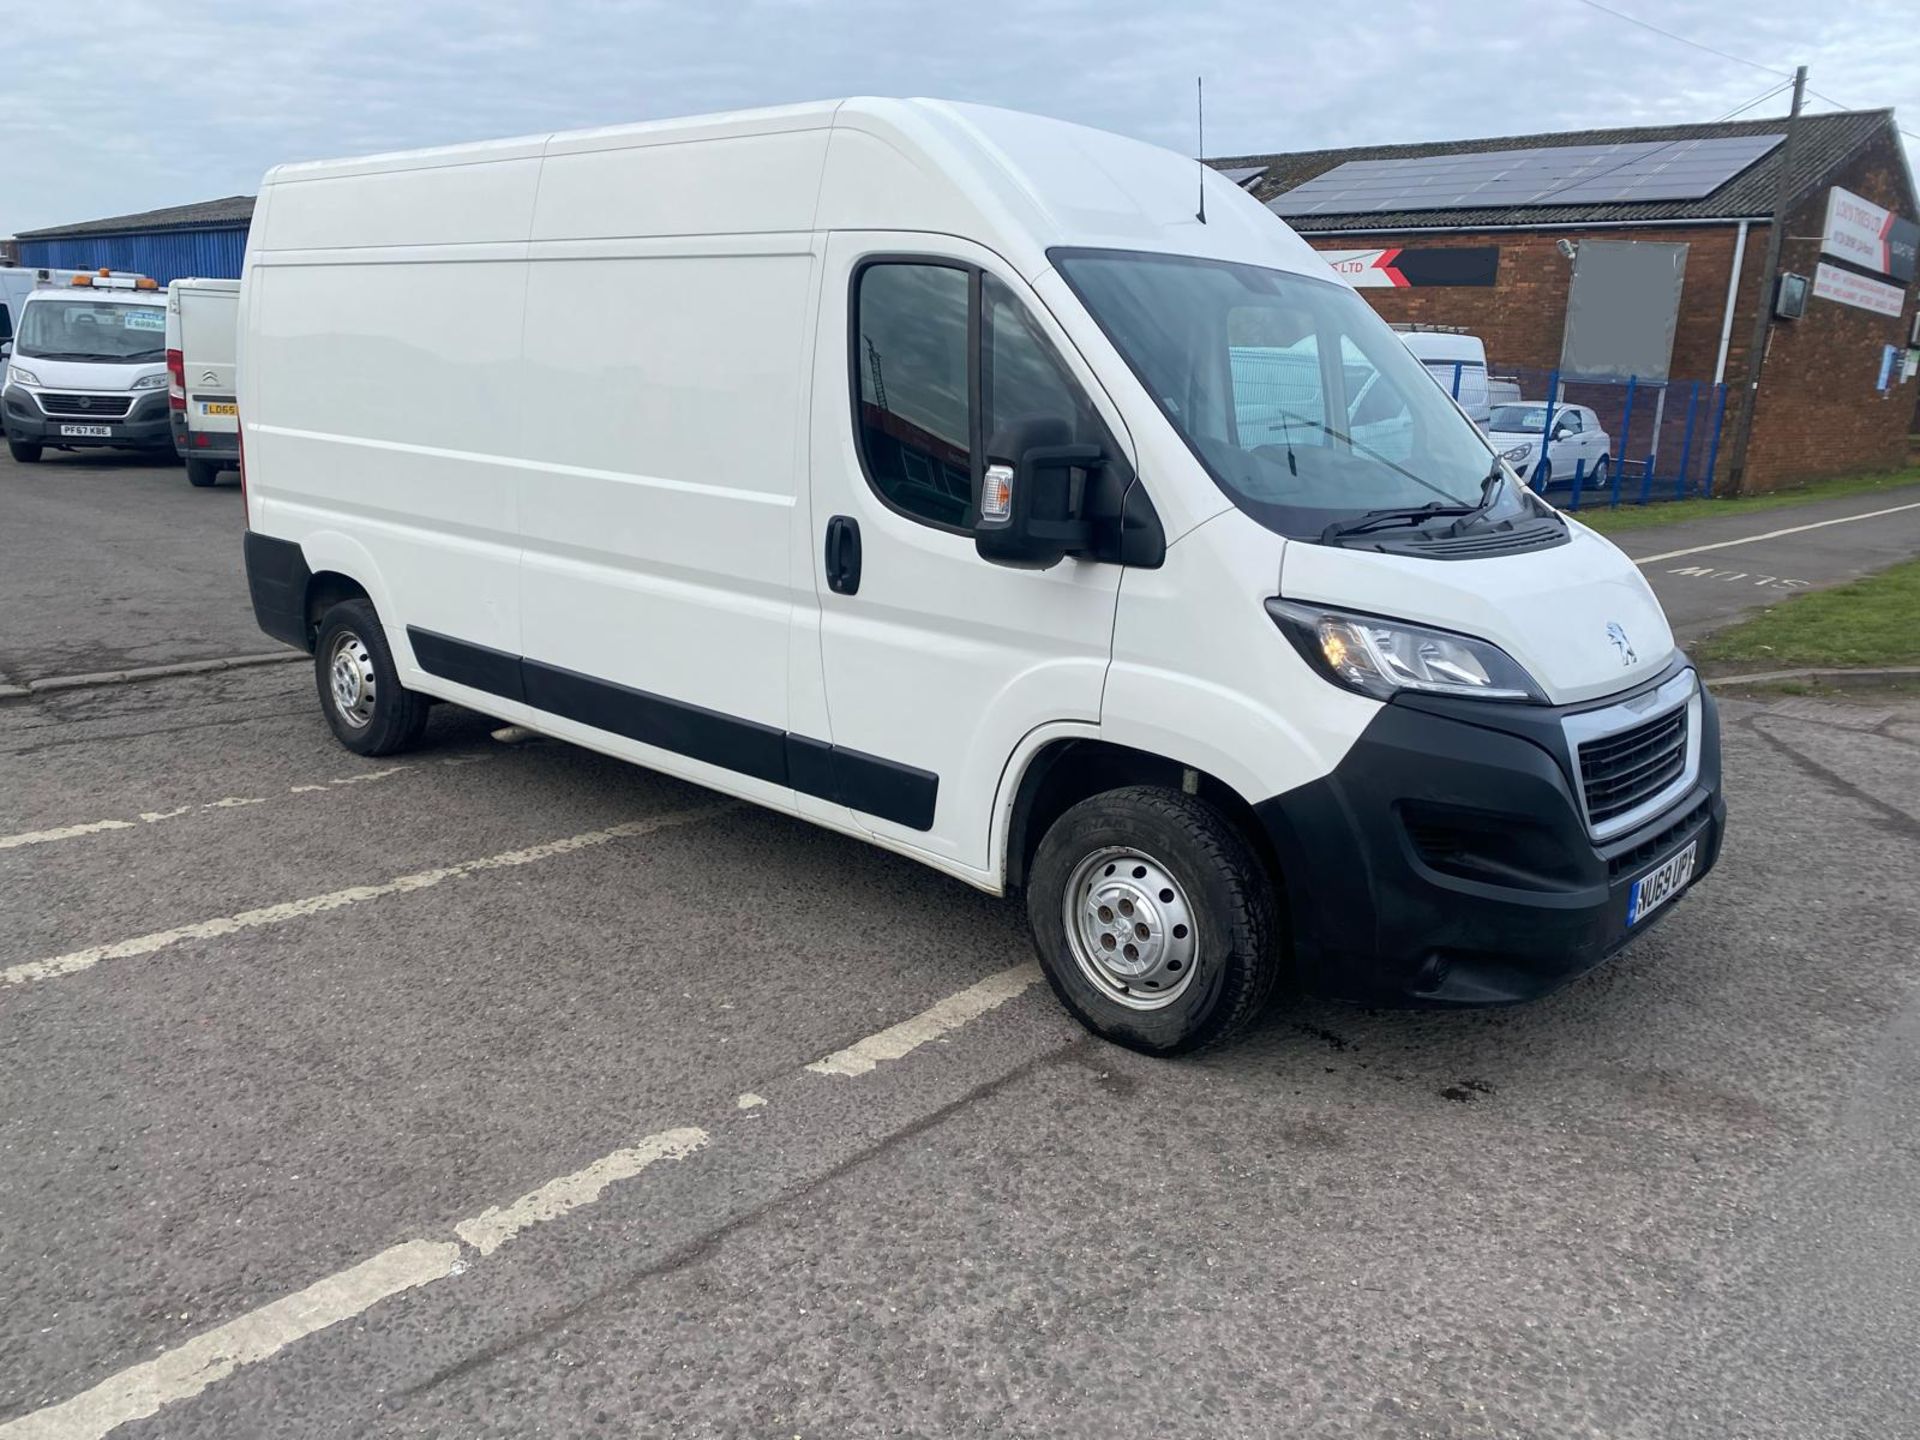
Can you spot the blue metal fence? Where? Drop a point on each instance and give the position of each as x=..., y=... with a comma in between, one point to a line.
x=163, y=254
x=1663, y=436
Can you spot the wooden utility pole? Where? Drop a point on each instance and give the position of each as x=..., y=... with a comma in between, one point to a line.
x=1769, y=279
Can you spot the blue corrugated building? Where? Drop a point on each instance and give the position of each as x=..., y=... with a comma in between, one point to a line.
x=208, y=239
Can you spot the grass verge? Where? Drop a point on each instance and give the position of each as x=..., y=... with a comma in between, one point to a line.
x=1638, y=517
x=1871, y=621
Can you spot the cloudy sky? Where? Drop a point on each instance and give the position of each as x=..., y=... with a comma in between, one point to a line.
x=147, y=104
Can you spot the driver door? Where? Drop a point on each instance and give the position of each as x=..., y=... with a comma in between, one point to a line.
x=936, y=663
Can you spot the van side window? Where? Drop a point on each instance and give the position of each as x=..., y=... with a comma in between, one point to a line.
x=6, y=322
x=915, y=403
x=1021, y=378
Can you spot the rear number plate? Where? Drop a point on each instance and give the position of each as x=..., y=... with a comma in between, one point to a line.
x=1660, y=884
x=215, y=407
x=101, y=431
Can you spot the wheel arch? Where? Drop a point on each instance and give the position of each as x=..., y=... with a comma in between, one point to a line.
x=1061, y=770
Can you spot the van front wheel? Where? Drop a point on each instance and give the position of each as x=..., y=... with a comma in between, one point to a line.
x=1153, y=919
x=360, y=691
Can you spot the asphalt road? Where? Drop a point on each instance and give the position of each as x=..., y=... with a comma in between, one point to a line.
x=109, y=559
x=578, y=1104
x=1710, y=573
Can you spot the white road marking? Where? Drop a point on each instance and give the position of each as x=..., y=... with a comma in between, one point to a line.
x=212, y=1355
x=188, y=1369
x=1775, y=534
x=77, y=960
x=65, y=832
x=1727, y=577
x=749, y=1101
x=495, y=1225
x=229, y=802
x=950, y=1014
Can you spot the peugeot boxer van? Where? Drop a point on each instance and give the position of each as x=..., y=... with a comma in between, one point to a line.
x=1020, y=498
x=201, y=340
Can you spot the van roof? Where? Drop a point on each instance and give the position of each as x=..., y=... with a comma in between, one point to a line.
x=1018, y=183
x=105, y=297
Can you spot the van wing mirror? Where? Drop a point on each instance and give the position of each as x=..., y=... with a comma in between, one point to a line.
x=1032, y=500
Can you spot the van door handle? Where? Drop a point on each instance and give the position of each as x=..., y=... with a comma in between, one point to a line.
x=843, y=555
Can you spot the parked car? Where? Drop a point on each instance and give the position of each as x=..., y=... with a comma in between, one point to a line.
x=844, y=459
x=201, y=315
x=1458, y=361
x=88, y=368
x=1579, y=444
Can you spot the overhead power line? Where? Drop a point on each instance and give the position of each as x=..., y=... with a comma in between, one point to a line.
x=1724, y=55
x=1682, y=39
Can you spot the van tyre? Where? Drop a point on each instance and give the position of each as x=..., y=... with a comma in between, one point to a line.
x=1154, y=920
x=25, y=451
x=360, y=689
x=203, y=474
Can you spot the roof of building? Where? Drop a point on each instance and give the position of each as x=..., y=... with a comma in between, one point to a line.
x=1824, y=142
x=234, y=212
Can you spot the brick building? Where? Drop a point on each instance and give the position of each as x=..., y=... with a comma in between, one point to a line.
x=1497, y=266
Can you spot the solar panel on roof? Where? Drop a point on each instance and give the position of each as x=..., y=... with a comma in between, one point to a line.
x=1558, y=175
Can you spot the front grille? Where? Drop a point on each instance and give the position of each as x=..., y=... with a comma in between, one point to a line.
x=1626, y=769
x=86, y=407
x=1655, y=845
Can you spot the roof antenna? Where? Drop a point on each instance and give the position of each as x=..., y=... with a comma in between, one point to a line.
x=1200, y=115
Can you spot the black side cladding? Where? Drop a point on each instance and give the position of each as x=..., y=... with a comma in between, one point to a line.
x=277, y=579
x=867, y=783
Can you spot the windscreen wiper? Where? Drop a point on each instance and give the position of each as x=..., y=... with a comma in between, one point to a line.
x=1399, y=515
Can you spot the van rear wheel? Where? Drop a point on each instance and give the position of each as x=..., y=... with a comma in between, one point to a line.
x=360, y=690
x=1154, y=920
x=203, y=473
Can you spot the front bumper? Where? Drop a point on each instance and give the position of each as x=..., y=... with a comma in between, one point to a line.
x=1446, y=860
x=145, y=424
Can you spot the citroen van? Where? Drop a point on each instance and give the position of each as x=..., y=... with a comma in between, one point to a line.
x=1020, y=498
x=201, y=340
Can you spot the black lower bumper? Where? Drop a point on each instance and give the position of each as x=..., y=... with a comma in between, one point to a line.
x=1446, y=860
x=210, y=445
x=144, y=427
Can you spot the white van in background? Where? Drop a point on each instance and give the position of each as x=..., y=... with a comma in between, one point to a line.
x=202, y=403
x=933, y=473
x=16, y=283
x=1457, y=360
x=88, y=368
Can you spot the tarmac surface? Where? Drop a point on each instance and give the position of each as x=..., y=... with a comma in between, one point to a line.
x=506, y=1090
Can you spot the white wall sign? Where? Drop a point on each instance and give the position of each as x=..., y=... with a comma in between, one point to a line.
x=1830, y=282
x=1868, y=235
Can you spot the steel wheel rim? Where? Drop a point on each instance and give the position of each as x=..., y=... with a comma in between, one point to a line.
x=350, y=680
x=1131, y=928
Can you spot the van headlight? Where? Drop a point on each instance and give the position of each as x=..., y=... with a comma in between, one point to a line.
x=1380, y=657
x=150, y=382
x=21, y=374
x=1517, y=453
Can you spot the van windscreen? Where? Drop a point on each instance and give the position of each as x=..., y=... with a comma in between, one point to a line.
x=1299, y=401
x=97, y=330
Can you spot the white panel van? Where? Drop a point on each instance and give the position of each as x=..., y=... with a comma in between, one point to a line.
x=1458, y=361
x=940, y=474
x=202, y=338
